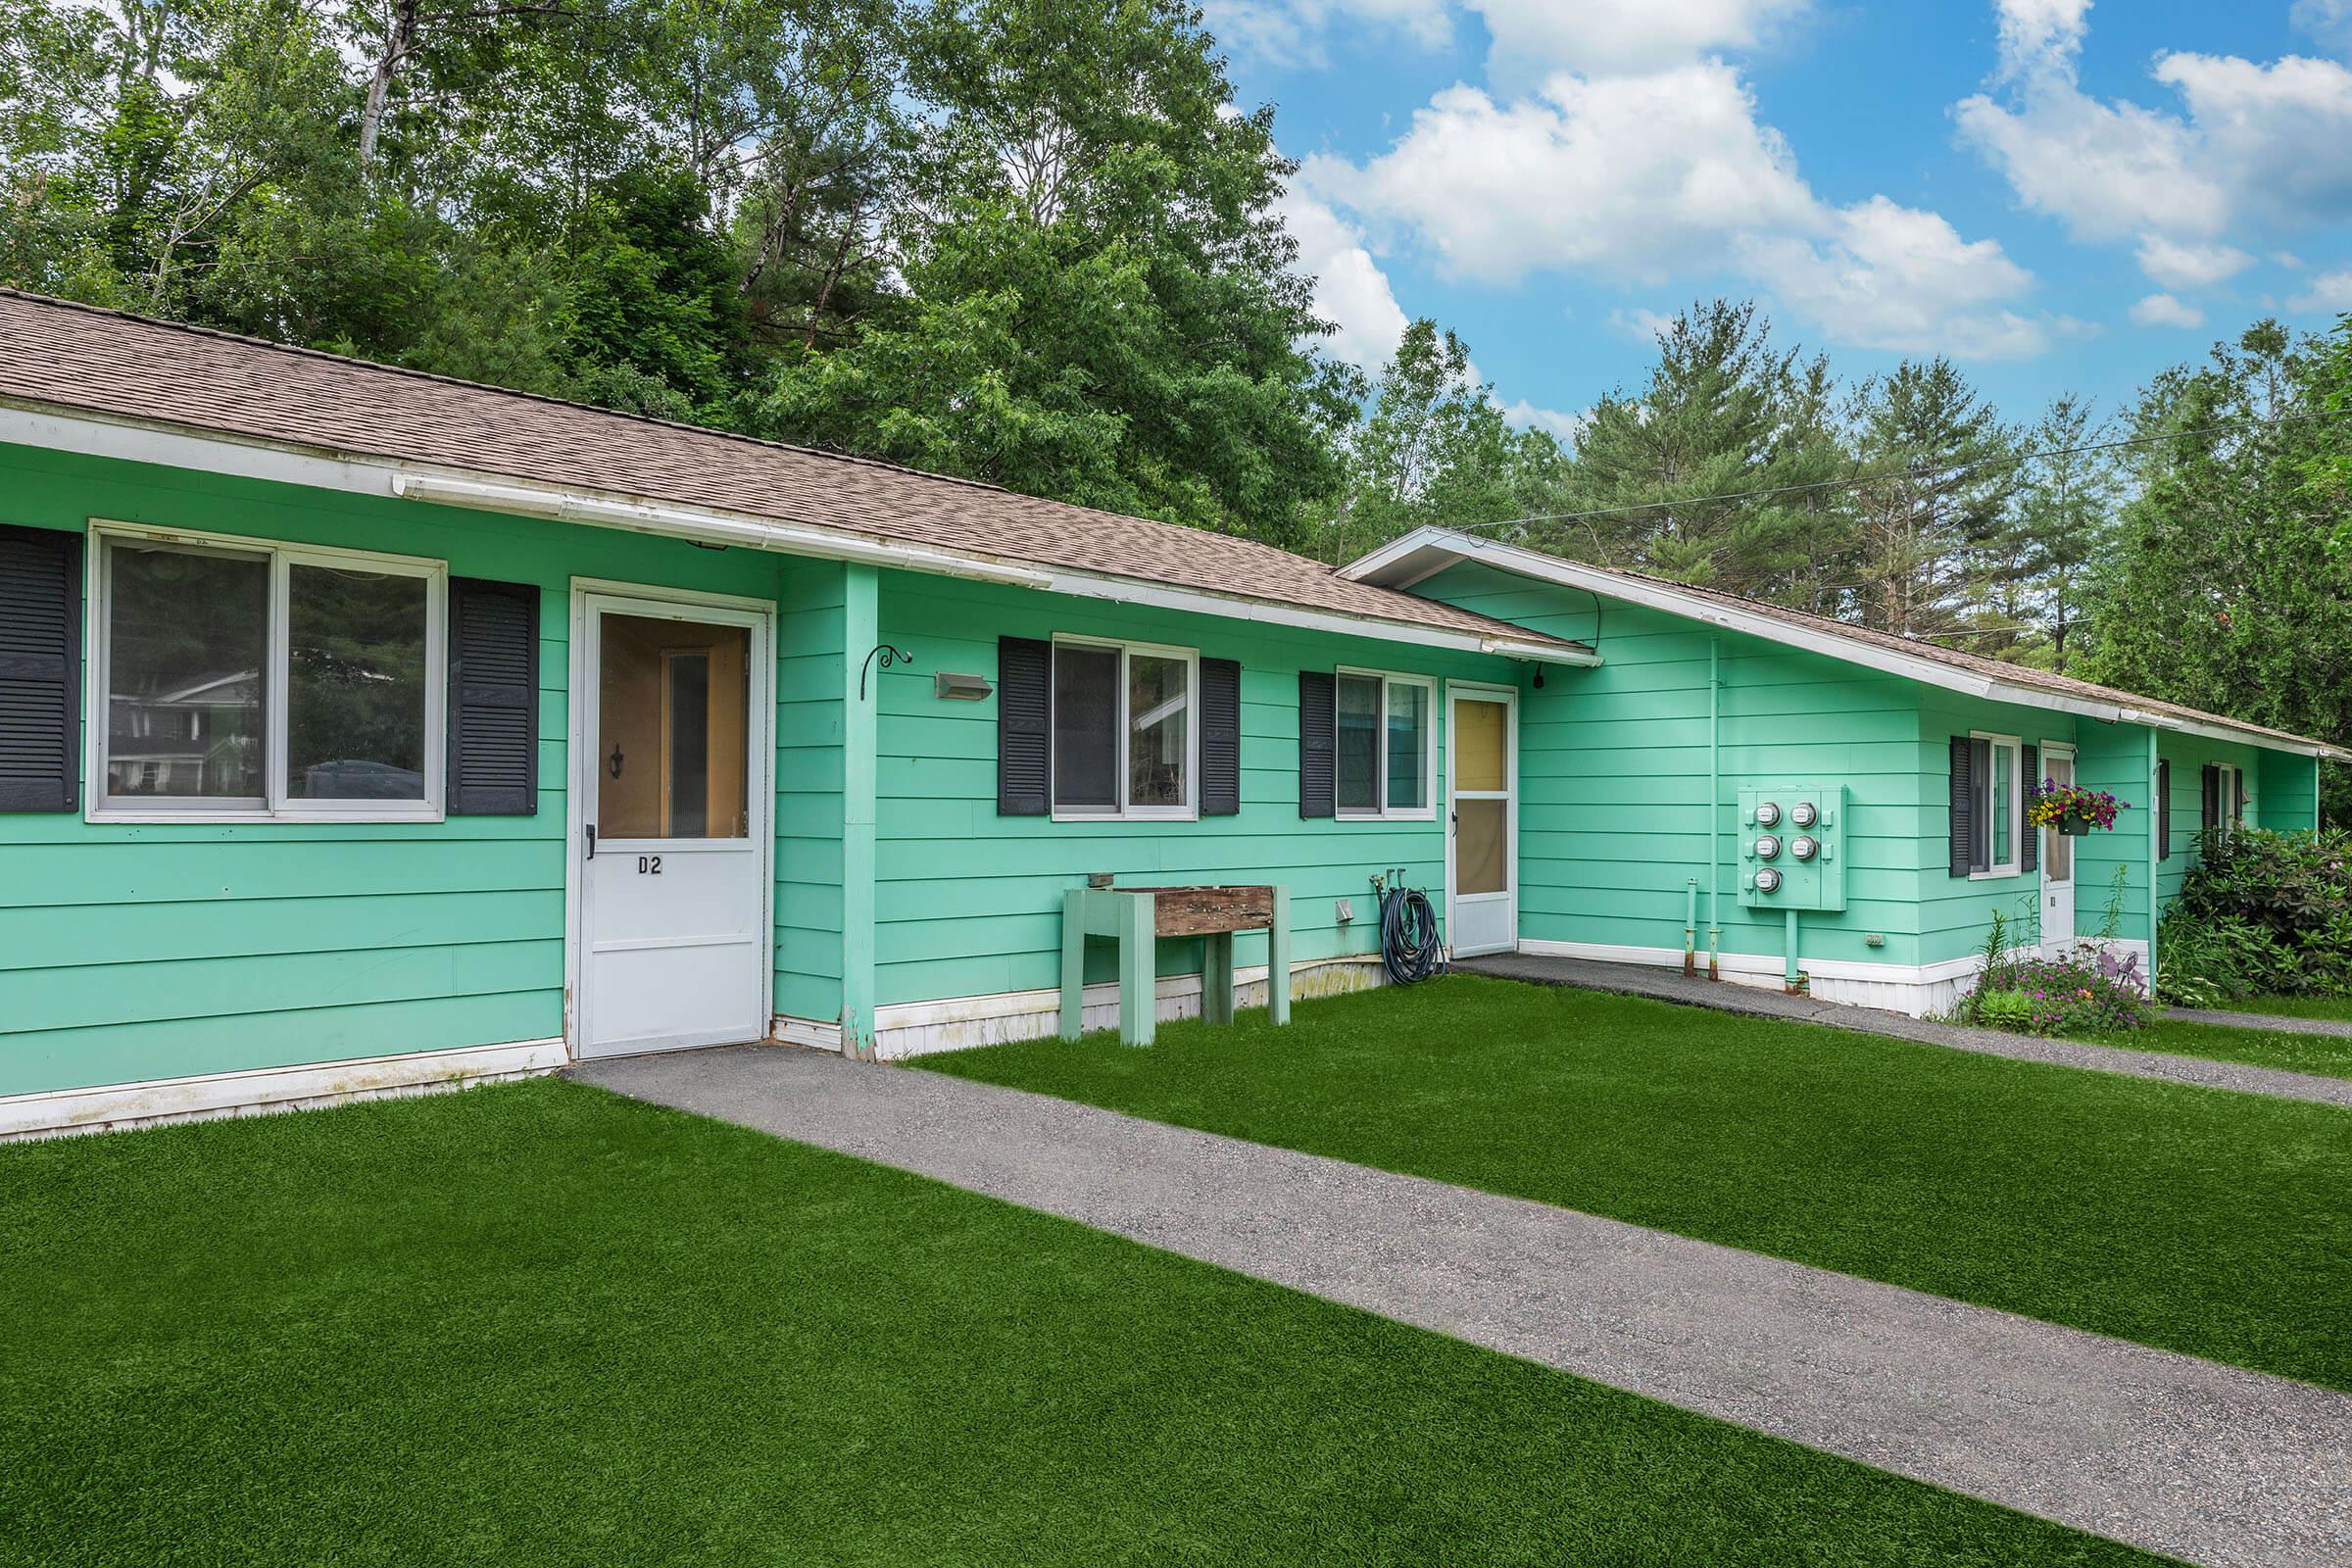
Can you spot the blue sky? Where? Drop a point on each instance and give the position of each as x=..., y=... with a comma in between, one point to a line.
x=2062, y=197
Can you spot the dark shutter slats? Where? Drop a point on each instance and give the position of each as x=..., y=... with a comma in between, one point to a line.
x=2211, y=817
x=1220, y=737
x=2029, y=784
x=2238, y=808
x=2164, y=808
x=1964, y=799
x=1024, y=717
x=1315, y=741
x=493, y=727
x=40, y=670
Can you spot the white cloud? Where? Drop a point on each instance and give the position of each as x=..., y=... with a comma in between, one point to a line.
x=1620, y=176
x=2330, y=291
x=1643, y=178
x=1293, y=33
x=1351, y=290
x=2328, y=21
x=2038, y=35
x=1890, y=276
x=1562, y=428
x=2162, y=310
x=1534, y=37
x=2250, y=143
x=2172, y=264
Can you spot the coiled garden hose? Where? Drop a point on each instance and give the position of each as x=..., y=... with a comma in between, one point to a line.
x=1408, y=936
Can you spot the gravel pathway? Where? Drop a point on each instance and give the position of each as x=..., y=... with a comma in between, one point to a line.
x=2262, y=1020
x=1668, y=985
x=2207, y=1462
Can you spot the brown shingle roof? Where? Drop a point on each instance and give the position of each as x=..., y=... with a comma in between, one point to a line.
x=104, y=362
x=1489, y=552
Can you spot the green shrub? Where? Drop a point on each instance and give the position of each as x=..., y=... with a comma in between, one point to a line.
x=2261, y=913
x=2004, y=1010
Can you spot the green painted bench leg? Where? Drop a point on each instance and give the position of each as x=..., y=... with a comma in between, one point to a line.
x=1138, y=999
x=1073, y=962
x=1216, y=977
x=1278, y=958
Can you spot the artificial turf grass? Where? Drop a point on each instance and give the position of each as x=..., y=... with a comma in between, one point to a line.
x=544, y=1324
x=2200, y=1220
x=2337, y=1009
x=2330, y=1055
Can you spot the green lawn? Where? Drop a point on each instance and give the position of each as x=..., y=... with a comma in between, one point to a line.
x=542, y=1324
x=2337, y=1009
x=2198, y=1219
x=2330, y=1054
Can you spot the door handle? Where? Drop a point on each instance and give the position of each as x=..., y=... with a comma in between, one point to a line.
x=591, y=841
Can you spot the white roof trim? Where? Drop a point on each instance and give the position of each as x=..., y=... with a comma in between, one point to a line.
x=96, y=435
x=1409, y=560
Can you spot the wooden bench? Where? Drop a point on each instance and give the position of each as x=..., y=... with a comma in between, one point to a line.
x=1138, y=918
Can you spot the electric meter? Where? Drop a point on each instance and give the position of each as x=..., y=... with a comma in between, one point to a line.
x=1767, y=847
x=1791, y=846
x=1768, y=814
x=1804, y=848
x=1768, y=880
x=1803, y=815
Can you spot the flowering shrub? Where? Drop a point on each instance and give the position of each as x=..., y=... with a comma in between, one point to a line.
x=2056, y=805
x=2090, y=991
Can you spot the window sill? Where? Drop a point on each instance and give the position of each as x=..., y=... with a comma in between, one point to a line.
x=165, y=818
x=1386, y=817
x=1165, y=814
x=1999, y=873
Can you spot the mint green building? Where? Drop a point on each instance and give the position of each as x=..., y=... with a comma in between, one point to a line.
x=363, y=731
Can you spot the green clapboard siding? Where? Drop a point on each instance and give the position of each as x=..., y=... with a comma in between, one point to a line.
x=969, y=902
x=160, y=951
x=1613, y=769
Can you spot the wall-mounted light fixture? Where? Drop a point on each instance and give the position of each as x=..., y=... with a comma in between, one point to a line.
x=959, y=688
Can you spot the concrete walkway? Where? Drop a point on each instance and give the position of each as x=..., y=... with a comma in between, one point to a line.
x=1668, y=985
x=2207, y=1462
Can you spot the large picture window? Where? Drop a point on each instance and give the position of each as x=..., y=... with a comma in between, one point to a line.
x=1126, y=730
x=242, y=679
x=1384, y=745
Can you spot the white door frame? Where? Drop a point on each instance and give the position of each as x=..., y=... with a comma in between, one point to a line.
x=1508, y=697
x=2074, y=860
x=760, y=614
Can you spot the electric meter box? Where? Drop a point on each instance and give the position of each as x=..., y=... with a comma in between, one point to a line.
x=1792, y=847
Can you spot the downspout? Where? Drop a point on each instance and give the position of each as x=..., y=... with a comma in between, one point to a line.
x=2155, y=762
x=1792, y=980
x=1714, y=808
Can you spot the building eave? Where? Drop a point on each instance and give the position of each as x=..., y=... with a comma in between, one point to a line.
x=1420, y=555
x=56, y=429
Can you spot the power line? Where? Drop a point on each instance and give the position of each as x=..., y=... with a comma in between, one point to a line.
x=1954, y=469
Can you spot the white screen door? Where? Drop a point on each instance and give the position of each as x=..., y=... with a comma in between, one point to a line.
x=672, y=782
x=1482, y=843
x=2057, y=863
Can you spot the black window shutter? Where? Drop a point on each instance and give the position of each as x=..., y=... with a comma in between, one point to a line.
x=1220, y=737
x=40, y=670
x=493, y=698
x=2164, y=808
x=2211, y=818
x=2028, y=782
x=1964, y=806
x=1315, y=741
x=1024, y=736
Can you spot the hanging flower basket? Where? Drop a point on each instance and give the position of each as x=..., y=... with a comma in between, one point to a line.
x=2071, y=809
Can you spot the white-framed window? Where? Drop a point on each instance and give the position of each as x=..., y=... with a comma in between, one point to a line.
x=1998, y=818
x=1381, y=755
x=238, y=679
x=1126, y=730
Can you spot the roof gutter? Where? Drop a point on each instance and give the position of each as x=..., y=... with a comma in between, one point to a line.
x=1894, y=661
x=65, y=430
